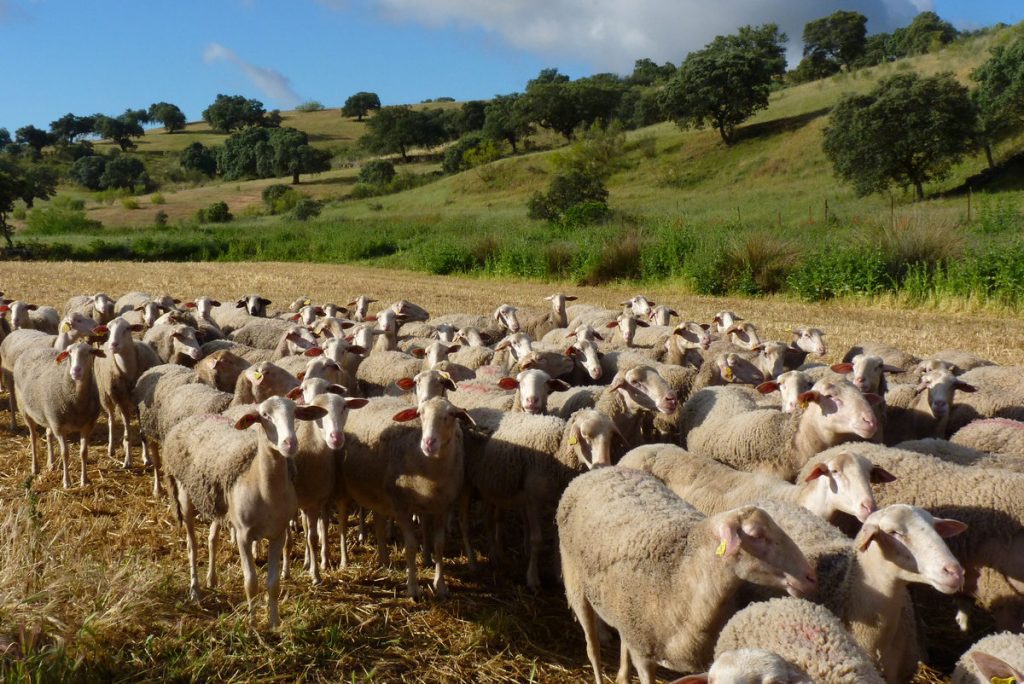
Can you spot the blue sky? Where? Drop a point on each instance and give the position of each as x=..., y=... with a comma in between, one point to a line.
x=60, y=56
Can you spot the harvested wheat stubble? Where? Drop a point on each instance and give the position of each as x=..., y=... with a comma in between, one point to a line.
x=95, y=579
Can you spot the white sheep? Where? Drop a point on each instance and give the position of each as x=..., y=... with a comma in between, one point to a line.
x=924, y=410
x=25, y=316
x=232, y=316
x=174, y=343
x=998, y=658
x=662, y=315
x=1000, y=395
x=99, y=307
x=221, y=470
x=994, y=436
x=662, y=574
x=805, y=341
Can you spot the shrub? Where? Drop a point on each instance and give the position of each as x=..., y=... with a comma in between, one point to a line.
x=840, y=270
x=19, y=213
x=199, y=158
x=310, y=106
x=130, y=203
x=584, y=214
x=376, y=172
x=758, y=263
x=215, y=213
x=64, y=215
x=306, y=208
x=158, y=198
x=280, y=198
x=442, y=256
x=618, y=258
x=160, y=218
x=566, y=190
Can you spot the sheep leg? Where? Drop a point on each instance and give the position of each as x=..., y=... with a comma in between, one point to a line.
x=440, y=586
x=110, y=433
x=588, y=620
x=645, y=668
x=12, y=406
x=153, y=458
x=287, y=568
x=313, y=541
x=361, y=515
x=623, y=675
x=188, y=518
x=274, y=579
x=325, y=554
x=380, y=531
x=32, y=445
x=211, y=544
x=63, y=443
x=83, y=453
x=536, y=546
x=411, y=551
x=343, y=532
x=248, y=566
x=467, y=545
x=126, y=441
x=50, y=462
x=427, y=528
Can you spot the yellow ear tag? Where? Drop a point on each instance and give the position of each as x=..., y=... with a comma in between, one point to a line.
x=307, y=302
x=573, y=441
x=257, y=376
x=65, y=327
x=720, y=551
x=1004, y=680
x=804, y=404
x=728, y=373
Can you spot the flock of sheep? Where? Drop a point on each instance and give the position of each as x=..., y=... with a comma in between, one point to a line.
x=689, y=475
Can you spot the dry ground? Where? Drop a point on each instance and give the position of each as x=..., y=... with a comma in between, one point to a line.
x=93, y=581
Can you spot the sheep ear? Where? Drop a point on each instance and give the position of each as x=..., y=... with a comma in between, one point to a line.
x=313, y=351
x=768, y=387
x=873, y=399
x=463, y=415
x=238, y=305
x=98, y=352
x=355, y=349
x=60, y=357
x=352, y=303
x=729, y=539
x=819, y=470
x=504, y=344
x=309, y=412
x=673, y=312
x=701, y=678
x=880, y=475
x=613, y=324
x=868, y=532
x=508, y=383
x=597, y=336
x=355, y=402
x=294, y=393
x=301, y=375
x=136, y=327
x=642, y=323
x=214, y=302
x=454, y=348
x=947, y=527
x=994, y=669
x=406, y=415
x=964, y=387
x=570, y=335
x=571, y=351
x=294, y=318
x=419, y=353
x=247, y=420
x=570, y=298
x=807, y=397
x=264, y=301
x=406, y=384
x=886, y=368
x=32, y=307
x=558, y=386
x=190, y=305
x=843, y=368
x=340, y=390
x=485, y=338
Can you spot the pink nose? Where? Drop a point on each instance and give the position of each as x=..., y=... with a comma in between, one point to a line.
x=288, y=446
x=429, y=445
x=76, y=373
x=867, y=507
x=940, y=408
x=337, y=438
x=596, y=373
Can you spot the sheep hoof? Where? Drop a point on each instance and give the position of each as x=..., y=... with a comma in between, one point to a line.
x=962, y=620
x=194, y=594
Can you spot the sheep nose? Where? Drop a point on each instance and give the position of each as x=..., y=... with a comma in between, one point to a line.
x=812, y=576
x=337, y=438
x=955, y=570
x=76, y=372
x=867, y=507
x=939, y=407
x=288, y=446
x=596, y=373
x=429, y=445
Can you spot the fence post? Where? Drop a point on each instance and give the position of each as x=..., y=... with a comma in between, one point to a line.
x=892, y=211
x=970, y=192
x=826, y=211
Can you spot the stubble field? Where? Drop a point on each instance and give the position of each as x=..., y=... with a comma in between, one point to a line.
x=93, y=581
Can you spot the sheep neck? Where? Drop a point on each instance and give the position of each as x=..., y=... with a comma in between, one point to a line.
x=874, y=604
x=924, y=421
x=809, y=438
x=271, y=468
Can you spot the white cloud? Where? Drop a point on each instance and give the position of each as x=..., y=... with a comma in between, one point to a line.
x=270, y=82
x=612, y=34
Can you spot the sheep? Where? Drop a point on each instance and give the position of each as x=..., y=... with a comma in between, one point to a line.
x=25, y=316
x=537, y=325
x=174, y=344
x=291, y=341
x=315, y=460
x=362, y=307
x=220, y=369
x=587, y=362
x=1000, y=395
x=839, y=483
x=661, y=573
x=116, y=374
x=805, y=341
x=133, y=300
x=230, y=317
x=922, y=411
x=206, y=328
x=626, y=324
x=265, y=333
x=481, y=393
x=149, y=314
x=890, y=355
x=728, y=425
x=806, y=636
x=684, y=346
x=427, y=384
x=790, y=385
x=407, y=311
x=993, y=435
x=62, y=399
x=532, y=388
x=332, y=327
x=230, y=474
x=639, y=305
x=992, y=549
x=382, y=369
x=864, y=581
x=399, y=470
x=724, y=320
x=996, y=658
x=743, y=335
x=662, y=315
x=557, y=364
x=387, y=325
x=99, y=307
x=964, y=455
x=526, y=462
x=961, y=361
x=263, y=380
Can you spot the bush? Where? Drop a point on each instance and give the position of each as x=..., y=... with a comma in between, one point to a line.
x=64, y=215
x=310, y=106
x=455, y=157
x=280, y=199
x=306, y=208
x=584, y=214
x=376, y=172
x=158, y=198
x=160, y=218
x=442, y=256
x=841, y=270
x=565, y=191
x=215, y=213
x=130, y=203
x=200, y=159
x=19, y=213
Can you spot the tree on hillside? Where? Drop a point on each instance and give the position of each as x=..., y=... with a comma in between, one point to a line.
x=505, y=118
x=472, y=115
x=36, y=138
x=232, y=112
x=120, y=130
x=646, y=72
x=198, y=157
x=838, y=39
x=69, y=128
x=269, y=153
x=726, y=82
x=167, y=114
x=87, y=171
x=396, y=129
x=124, y=172
x=908, y=130
x=926, y=33
x=550, y=103
x=5, y=138
x=25, y=182
x=293, y=155
x=360, y=104
x=999, y=97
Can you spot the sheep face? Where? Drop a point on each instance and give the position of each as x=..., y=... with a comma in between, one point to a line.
x=407, y=311
x=910, y=539
x=558, y=302
x=77, y=324
x=203, y=306
x=120, y=335
x=662, y=315
x=506, y=317
x=591, y=435
x=770, y=359
x=80, y=357
x=743, y=335
x=445, y=333
x=627, y=323
x=790, y=385
x=843, y=483
x=18, y=311
x=299, y=339
x=322, y=367
x=646, y=388
x=307, y=315
x=276, y=416
x=254, y=304
x=749, y=666
x=733, y=368
x=586, y=354
x=866, y=371
x=267, y=379
x=941, y=385
x=103, y=304
x=439, y=421
x=151, y=312
x=437, y=352
x=518, y=343
x=362, y=307
x=430, y=384
x=331, y=426
x=810, y=340
x=691, y=335
x=472, y=337
x=759, y=551
x=724, y=320
x=184, y=342
x=639, y=305
x=840, y=408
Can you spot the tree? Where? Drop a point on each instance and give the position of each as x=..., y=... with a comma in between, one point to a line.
x=25, y=182
x=999, y=97
x=167, y=114
x=506, y=118
x=811, y=68
x=646, y=72
x=550, y=103
x=5, y=137
x=198, y=157
x=135, y=116
x=293, y=155
x=726, y=82
x=124, y=172
x=360, y=104
x=87, y=171
x=268, y=153
x=472, y=116
x=396, y=129
x=838, y=38
x=232, y=112
x=36, y=138
x=909, y=130
x=926, y=33
x=120, y=130
x=69, y=128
